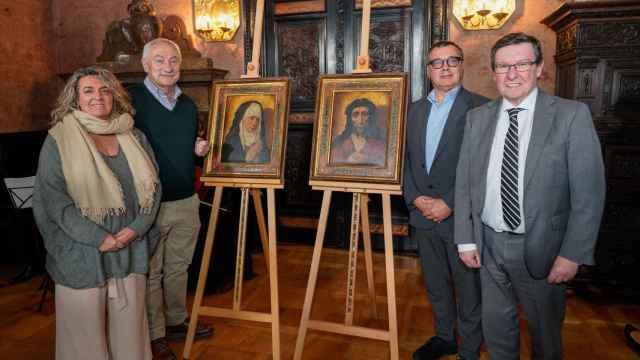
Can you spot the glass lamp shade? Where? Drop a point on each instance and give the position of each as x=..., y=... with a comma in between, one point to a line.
x=216, y=20
x=483, y=14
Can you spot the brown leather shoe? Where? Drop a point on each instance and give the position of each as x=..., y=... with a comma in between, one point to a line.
x=179, y=332
x=161, y=351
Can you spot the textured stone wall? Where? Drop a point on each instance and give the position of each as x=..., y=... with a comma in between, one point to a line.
x=80, y=28
x=27, y=65
x=477, y=45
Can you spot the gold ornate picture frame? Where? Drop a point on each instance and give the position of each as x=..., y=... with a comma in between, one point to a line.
x=359, y=129
x=247, y=131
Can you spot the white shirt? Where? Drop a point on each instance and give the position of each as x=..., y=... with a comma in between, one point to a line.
x=492, y=214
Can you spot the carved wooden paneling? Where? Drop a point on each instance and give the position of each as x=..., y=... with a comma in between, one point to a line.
x=626, y=88
x=439, y=20
x=302, y=118
x=385, y=3
x=609, y=33
x=623, y=163
x=566, y=80
x=299, y=50
x=339, y=36
x=299, y=7
x=389, y=43
x=566, y=39
x=298, y=157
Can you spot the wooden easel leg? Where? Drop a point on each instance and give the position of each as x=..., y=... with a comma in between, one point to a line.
x=353, y=259
x=273, y=275
x=262, y=227
x=368, y=254
x=242, y=237
x=313, y=275
x=204, y=271
x=391, y=281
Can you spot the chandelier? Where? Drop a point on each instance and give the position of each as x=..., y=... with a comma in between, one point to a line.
x=483, y=14
x=216, y=20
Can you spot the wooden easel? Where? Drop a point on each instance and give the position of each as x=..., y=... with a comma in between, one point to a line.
x=359, y=215
x=268, y=240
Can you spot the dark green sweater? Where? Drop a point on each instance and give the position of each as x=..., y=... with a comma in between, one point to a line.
x=172, y=134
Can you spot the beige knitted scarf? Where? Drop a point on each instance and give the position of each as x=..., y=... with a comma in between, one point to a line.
x=92, y=185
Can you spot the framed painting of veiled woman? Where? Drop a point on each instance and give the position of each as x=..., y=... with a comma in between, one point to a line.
x=247, y=130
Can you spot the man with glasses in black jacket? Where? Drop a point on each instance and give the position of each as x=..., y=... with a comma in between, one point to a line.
x=434, y=134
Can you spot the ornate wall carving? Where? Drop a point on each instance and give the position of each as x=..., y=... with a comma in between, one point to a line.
x=298, y=192
x=610, y=33
x=566, y=39
x=299, y=57
x=388, y=44
x=630, y=88
x=385, y=3
x=340, y=36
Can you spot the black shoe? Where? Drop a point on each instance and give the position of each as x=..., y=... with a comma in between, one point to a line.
x=179, y=332
x=435, y=348
x=628, y=329
x=160, y=350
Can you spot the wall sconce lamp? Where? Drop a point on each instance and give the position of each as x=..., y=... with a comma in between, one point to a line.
x=483, y=14
x=216, y=20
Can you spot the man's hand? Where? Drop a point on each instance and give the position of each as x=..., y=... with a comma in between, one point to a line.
x=440, y=211
x=109, y=244
x=124, y=237
x=562, y=270
x=470, y=258
x=423, y=203
x=201, y=147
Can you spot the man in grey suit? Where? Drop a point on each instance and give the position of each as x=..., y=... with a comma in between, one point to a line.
x=434, y=135
x=529, y=198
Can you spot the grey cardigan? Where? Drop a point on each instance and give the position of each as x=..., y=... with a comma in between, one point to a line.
x=72, y=241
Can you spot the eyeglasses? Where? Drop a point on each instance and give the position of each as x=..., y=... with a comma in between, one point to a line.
x=452, y=61
x=520, y=67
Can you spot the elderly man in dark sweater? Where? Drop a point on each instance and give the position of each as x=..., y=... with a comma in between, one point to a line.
x=169, y=120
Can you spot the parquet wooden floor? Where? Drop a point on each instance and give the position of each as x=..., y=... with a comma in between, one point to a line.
x=593, y=327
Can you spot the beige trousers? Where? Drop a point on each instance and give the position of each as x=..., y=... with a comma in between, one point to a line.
x=179, y=223
x=105, y=323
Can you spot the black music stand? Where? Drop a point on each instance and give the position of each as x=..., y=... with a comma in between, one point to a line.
x=21, y=194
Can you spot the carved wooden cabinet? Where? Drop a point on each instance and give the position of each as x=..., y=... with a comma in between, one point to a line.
x=598, y=63
x=306, y=39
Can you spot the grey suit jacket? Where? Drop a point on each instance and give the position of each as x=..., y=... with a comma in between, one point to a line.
x=564, y=184
x=440, y=181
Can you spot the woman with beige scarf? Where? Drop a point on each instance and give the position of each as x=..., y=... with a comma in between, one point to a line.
x=95, y=200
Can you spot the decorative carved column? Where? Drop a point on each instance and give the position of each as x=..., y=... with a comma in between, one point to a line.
x=598, y=63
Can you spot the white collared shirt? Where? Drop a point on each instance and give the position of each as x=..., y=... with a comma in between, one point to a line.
x=492, y=211
x=161, y=96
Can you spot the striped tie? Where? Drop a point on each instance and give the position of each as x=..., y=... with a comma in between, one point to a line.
x=509, y=181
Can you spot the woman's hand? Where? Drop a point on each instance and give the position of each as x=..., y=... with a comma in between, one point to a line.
x=108, y=244
x=124, y=237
